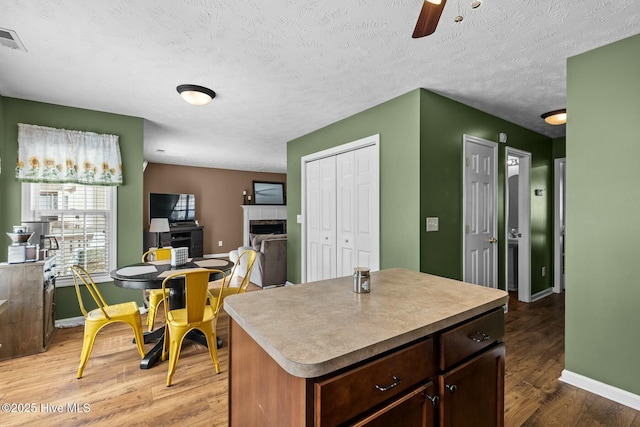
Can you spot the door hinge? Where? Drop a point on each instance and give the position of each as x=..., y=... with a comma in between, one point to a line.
x=468, y=161
x=466, y=229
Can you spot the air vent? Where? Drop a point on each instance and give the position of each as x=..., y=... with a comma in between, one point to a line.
x=9, y=38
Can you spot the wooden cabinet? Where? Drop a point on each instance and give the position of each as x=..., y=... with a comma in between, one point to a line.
x=416, y=408
x=471, y=377
x=472, y=394
x=179, y=237
x=26, y=326
x=347, y=396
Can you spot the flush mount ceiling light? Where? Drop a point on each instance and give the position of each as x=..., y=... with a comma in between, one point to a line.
x=557, y=117
x=196, y=95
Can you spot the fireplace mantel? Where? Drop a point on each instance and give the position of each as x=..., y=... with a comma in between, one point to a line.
x=251, y=212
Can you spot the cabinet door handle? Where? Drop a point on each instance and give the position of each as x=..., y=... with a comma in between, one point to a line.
x=396, y=381
x=480, y=337
x=434, y=399
x=451, y=387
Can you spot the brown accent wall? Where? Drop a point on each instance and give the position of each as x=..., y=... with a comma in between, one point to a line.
x=218, y=198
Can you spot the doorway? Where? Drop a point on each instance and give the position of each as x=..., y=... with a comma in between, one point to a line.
x=518, y=222
x=479, y=208
x=560, y=203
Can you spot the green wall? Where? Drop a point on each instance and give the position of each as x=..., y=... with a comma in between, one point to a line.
x=559, y=148
x=603, y=147
x=131, y=133
x=421, y=175
x=443, y=124
x=397, y=122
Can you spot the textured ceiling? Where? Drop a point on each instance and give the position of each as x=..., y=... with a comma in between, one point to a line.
x=284, y=68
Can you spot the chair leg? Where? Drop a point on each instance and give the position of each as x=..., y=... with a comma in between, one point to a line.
x=90, y=332
x=174, y=353
x=137, y=331
x=212, y=345
x=154, y=303
x=165, y=343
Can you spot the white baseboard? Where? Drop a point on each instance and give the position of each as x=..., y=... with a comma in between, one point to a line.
x=72, y=322
x=541, y=294
x=601, y=389
x=223, y=255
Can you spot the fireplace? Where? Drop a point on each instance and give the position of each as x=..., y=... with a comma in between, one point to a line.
x=268, y=226
x=259, y=213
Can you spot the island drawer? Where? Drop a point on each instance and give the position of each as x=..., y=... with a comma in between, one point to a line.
x=344, y=396
x=470, y=337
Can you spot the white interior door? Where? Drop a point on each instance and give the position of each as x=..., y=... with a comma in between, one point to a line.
x=341, y=210
x=346, y=215
x=520, y=236
x=321, y=219
x=357, y=210
x=480, y=207
x=559, y=223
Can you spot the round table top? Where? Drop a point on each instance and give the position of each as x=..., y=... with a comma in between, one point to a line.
x=149, y=275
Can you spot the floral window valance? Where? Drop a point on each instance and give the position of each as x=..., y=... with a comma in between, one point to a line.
x=57, y=155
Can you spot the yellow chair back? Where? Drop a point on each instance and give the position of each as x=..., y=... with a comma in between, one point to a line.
x=196, y=292
x=251, y=256
x=160, y=254
x=80, y=274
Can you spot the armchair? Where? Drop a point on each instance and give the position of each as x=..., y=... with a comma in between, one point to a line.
x=270, y=266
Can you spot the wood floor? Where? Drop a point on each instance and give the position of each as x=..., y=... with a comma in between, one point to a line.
x=117, y=393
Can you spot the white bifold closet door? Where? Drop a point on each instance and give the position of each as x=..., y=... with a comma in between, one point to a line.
x=342, y=214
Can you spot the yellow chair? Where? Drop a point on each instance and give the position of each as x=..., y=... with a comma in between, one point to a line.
x=226, y=288
x=105, y=314
x=155, y=296
x=196, y=314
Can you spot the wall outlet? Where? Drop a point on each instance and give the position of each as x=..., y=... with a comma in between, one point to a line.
x=544, y=271
x=219, y=242
x=432, y=223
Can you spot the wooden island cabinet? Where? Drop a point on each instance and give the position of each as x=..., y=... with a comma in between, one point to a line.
x=419, y=350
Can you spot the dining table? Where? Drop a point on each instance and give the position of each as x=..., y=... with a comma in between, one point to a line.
x=150, y=275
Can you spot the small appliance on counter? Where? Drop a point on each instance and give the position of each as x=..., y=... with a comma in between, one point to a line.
x=20, y=250
x=47, y=243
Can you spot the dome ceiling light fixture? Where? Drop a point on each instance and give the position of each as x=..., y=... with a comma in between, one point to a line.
x=556, y=117
x=196, y=95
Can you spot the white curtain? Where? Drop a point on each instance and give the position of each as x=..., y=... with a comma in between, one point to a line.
x=57, y=155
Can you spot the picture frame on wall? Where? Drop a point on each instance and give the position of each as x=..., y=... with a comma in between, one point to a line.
x=268, y=193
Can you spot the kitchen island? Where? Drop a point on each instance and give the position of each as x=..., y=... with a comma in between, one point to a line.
x=418, y=348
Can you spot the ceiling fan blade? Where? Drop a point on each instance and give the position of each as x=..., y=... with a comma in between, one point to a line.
x=428, y=19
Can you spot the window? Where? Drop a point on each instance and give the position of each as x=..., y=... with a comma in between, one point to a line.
x=83, y=220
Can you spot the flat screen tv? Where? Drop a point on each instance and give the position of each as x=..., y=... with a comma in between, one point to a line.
x=268, y=193
x=177, y=208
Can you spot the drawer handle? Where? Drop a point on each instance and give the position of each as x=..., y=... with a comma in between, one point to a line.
x=396, y=381
x=434, y=400
x=480, y=337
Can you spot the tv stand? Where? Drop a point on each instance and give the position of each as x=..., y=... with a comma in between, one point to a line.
x=180, y=236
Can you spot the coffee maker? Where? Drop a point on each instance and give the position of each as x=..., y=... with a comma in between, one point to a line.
x=41, y=237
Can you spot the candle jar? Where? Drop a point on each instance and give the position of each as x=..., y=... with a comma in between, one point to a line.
x=361, y=280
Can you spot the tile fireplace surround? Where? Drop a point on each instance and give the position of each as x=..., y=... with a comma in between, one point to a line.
x=260, y=212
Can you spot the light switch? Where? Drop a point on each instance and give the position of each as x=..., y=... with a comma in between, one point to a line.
x=432, y=223
x=299, y=219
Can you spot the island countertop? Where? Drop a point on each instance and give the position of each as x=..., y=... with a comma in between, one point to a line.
x=316, y=328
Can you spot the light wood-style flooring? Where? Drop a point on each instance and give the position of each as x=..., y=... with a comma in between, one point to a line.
x=117, y=393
